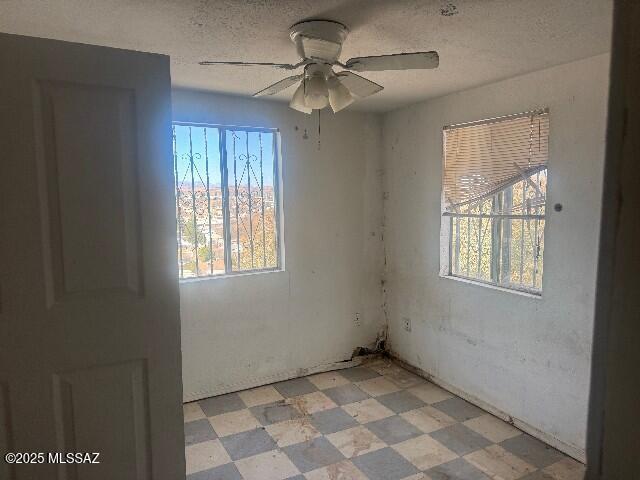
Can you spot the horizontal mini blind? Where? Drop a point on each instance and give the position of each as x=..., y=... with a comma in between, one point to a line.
x=481, y=158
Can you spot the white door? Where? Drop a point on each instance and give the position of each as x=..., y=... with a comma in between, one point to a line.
x=89, y=306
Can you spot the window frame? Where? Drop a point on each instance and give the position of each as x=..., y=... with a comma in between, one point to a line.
x=226, y=212
x=447, y=223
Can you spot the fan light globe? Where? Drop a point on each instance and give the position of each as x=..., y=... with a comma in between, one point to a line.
x=316, y=94
x=339, y=95
x=297, y=102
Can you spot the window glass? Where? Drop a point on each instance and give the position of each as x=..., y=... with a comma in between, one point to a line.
x=493, y=200
x=226, y=199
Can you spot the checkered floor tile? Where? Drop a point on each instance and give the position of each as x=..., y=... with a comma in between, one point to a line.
x=376, y=421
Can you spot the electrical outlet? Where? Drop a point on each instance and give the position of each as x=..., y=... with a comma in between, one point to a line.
x=406, y=324
x=356, y=321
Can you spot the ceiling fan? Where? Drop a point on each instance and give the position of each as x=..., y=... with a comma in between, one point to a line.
x=319, y=44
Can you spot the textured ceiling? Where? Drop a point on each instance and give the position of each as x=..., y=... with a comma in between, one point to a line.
x=483, y=41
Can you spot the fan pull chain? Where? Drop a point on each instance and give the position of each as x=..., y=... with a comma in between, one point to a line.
x=318, y=129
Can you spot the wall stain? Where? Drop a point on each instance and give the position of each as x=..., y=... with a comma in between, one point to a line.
x=449, y=10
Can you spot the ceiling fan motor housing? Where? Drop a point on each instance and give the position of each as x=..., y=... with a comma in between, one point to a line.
x=319, y=39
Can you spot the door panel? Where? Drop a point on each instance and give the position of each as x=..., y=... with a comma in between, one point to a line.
x=119, y=393
x=105, y=253
x=89, y=307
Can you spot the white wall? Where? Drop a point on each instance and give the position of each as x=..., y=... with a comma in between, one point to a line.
x=255, y=329
x=528, y=357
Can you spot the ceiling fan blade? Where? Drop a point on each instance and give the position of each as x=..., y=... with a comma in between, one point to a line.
x=279, y=86
x=358, y=86
x=285, y=66
x=398, y=61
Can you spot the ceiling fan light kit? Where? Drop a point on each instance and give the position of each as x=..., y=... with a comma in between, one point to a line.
x=297, y=101
x=319, y=45
x=339, y=95
x=316, y=91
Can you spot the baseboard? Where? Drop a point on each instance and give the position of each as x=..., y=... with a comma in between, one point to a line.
x=571, y=450
x=277, y=377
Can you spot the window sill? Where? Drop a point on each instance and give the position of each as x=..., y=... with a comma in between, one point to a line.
x=537, y=296
x=225, y=276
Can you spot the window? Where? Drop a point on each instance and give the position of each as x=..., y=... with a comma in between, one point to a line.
x=493, y=200
x=227, y=202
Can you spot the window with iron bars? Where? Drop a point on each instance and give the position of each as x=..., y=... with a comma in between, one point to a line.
x=227, y=199
x=494, y=200
x=500, y=239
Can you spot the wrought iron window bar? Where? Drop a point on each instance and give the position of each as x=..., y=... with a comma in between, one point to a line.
x=244, y=163
x=499, y=221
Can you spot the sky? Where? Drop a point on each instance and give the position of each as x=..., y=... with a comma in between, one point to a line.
x=212, y=154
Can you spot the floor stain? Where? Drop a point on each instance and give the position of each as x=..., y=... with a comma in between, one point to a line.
x=303, y=424
x=337, y=472
x=299, y=404
x=360, y=444
x=272, y=412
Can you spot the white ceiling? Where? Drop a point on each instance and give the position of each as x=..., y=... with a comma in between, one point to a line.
x=484, y=41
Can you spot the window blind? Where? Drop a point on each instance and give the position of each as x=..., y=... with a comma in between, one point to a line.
x=481, y=158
